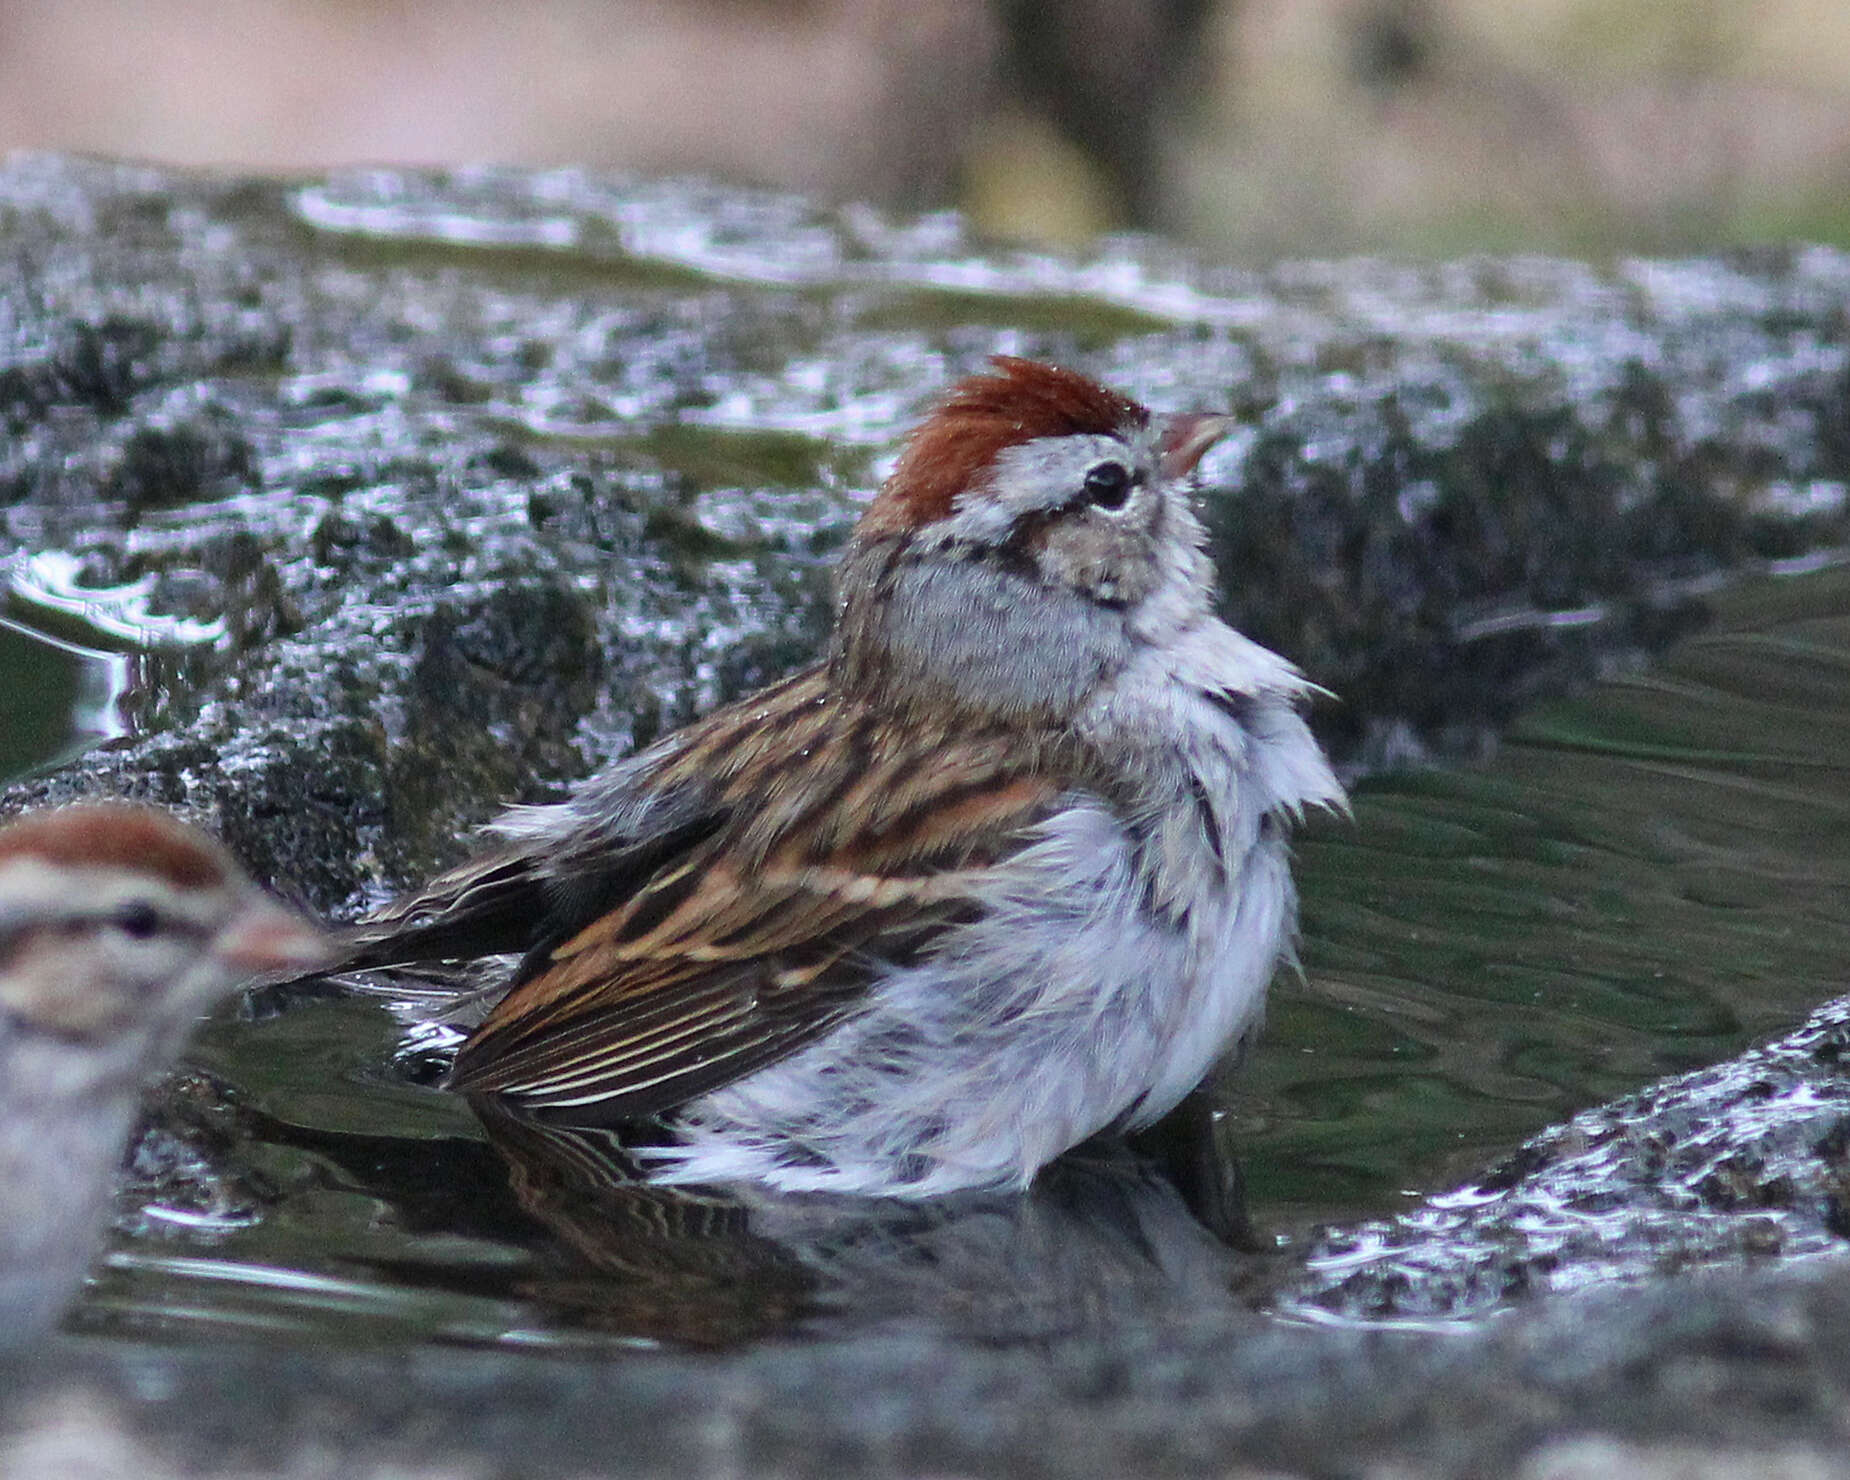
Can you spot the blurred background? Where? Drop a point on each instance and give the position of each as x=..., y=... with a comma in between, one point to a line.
x=1251, y=128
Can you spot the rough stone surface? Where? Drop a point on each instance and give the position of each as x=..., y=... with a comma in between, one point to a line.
x=367, y=428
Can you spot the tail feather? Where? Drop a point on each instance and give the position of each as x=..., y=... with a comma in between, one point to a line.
x=489, y=907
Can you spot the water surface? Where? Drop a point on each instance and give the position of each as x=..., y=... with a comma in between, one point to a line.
x=1644, y=881
x=80, y=664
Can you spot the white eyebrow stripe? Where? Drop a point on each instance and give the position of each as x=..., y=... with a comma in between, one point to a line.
x=34, y=893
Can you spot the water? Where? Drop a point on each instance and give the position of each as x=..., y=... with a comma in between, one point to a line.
x=80, y=665
x=1641, y=883
x=1643, y=880
x=64, y=693
x=62, y=698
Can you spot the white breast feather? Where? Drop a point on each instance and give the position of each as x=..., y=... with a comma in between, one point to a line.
x=1070, y=1006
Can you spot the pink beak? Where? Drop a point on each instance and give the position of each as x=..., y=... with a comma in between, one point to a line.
x=1187, y=436
x=264, y=937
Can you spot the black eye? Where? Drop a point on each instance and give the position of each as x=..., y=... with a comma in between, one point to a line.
x=1108, y=485
x=138, y=921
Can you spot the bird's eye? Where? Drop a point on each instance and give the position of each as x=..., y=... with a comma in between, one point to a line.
x=1108, y=485
x=138, y=921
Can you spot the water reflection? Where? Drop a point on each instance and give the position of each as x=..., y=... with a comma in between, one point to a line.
x=1643, y=881
x=509, y=1230
x=1102, y=1241
x=76, y=662
x=62, y=698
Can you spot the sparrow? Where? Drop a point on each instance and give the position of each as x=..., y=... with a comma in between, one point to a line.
x=119, y=926
x=1006, y=869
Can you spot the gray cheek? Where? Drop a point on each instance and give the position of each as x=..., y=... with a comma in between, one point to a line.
x=998, y=641
x=1107, y=562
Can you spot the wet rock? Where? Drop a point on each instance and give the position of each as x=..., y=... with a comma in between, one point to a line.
x=1742, y=1162
x=1741, y=1375
x=166, y=466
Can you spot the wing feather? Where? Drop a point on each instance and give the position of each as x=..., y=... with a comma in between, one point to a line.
x=826, y=839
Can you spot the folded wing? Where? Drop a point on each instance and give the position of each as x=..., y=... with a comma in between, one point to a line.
x=809, y=842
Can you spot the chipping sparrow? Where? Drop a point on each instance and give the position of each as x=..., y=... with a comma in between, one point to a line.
x=118, y=926
x=1005, y=870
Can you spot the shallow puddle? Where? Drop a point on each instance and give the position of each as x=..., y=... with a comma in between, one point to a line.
x=1643, y=880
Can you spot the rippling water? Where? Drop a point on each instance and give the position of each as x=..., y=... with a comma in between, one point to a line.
x=1643, y=880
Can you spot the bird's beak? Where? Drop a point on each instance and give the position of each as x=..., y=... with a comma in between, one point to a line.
x=1187, y=436
x=264, y=937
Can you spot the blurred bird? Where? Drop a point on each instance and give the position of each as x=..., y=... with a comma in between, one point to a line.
x=119, y=926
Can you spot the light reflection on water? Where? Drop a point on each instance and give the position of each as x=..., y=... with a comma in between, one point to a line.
x=62, y=698
x=1644, y=880
x=74, y=658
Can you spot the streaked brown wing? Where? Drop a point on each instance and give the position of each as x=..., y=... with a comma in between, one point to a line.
x=851, y=838
x=525, y=898
x=508, y=902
